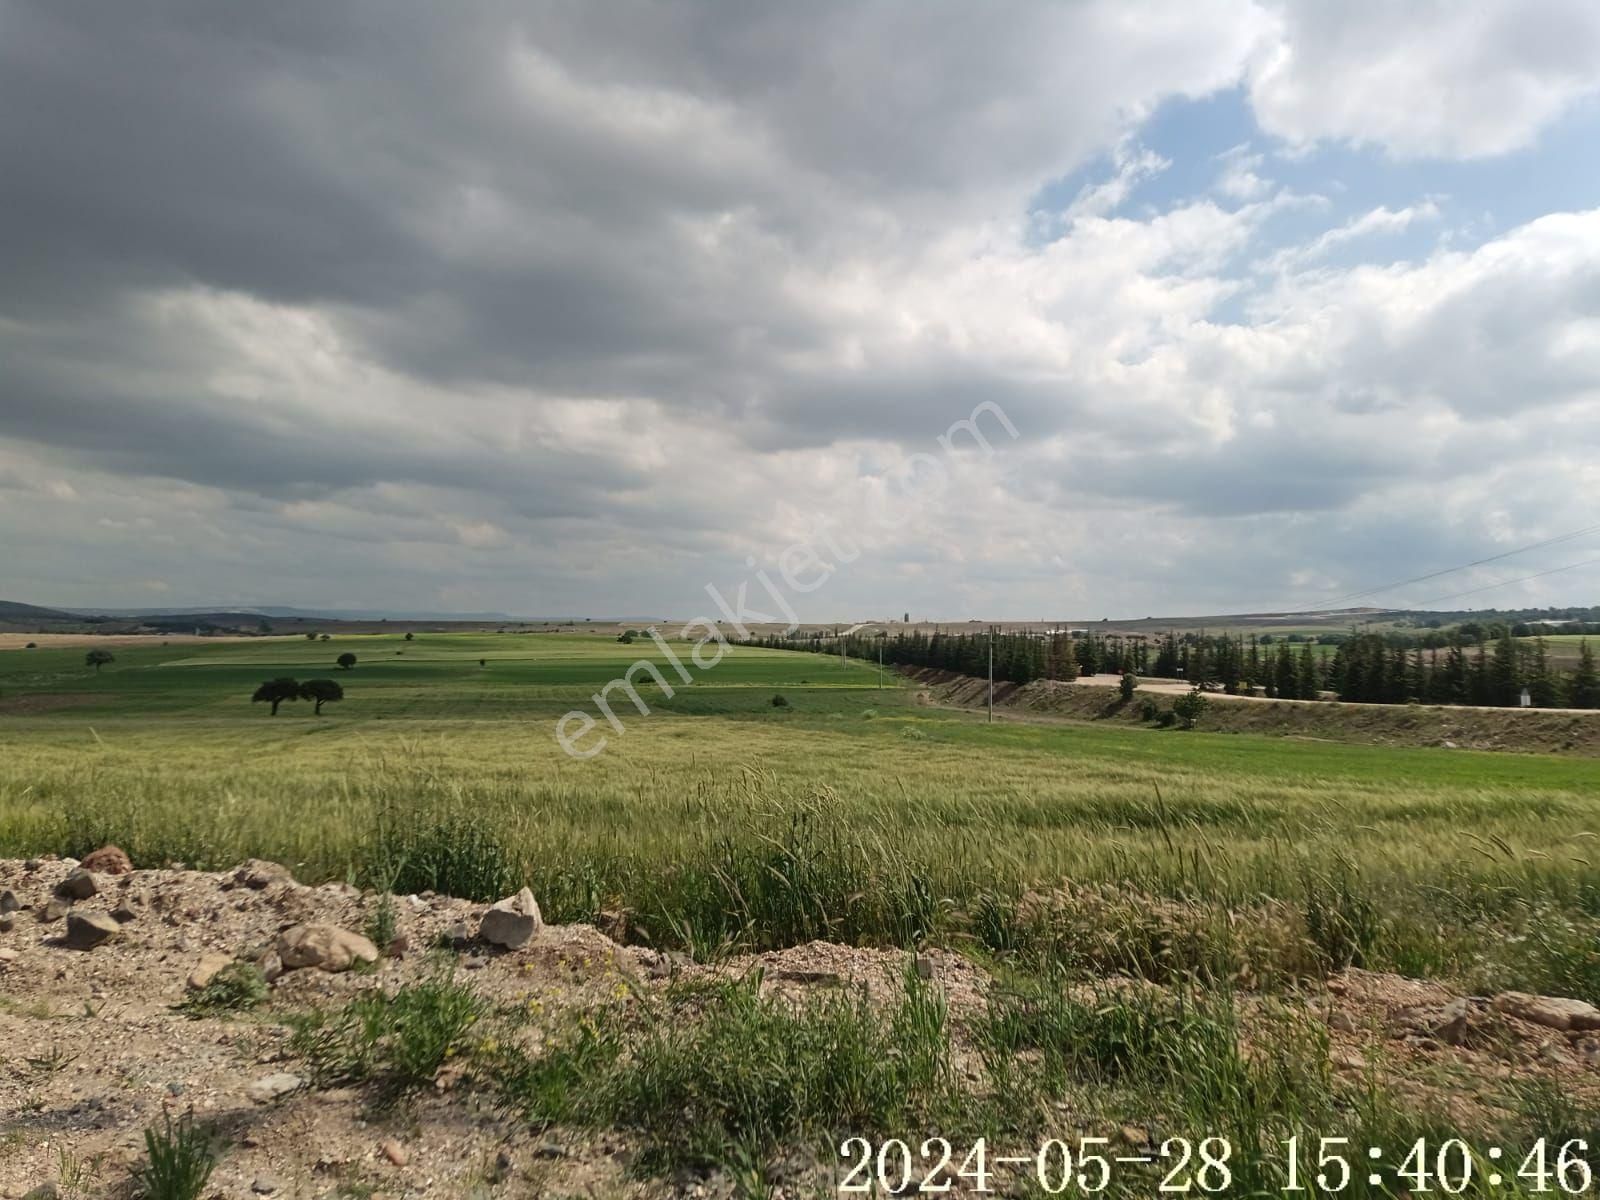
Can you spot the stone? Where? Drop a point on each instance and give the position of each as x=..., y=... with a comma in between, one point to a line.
x=924, y=967
x=326, y=947
x=270, y=966
x=265, y=1185
x=45, y=1191
x=400, y=945
x=1454, y=1026
x=1348, y=1060
x=1553, y=1012
x=7, y=923
x=1341, y=1022
x=273, y=1087
x=1133, y=1135
x=7, y=957
x=258, y=874
x=123, y=913
x=206, y=970
x=9, y=902
x=108, y=860
x=85, y=931
x=78, y=884
x=54, y=909
x=511, y=922
x=395, y=1152
x=457, y=936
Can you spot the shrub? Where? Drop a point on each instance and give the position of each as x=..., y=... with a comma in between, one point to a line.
x=346, y=661
x=1149, y=710
x=1168, y=719
x=1189, y=707
x=1129, y=682
x=237, y=987
x=722, y=1073
x=401, y=1040
x=179, y=1160
x=780, y=701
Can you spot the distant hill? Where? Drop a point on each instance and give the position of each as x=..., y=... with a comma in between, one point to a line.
x=302, y=614
x=11, y=611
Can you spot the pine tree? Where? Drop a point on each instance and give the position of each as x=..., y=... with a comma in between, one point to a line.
x=1585, y=689
x=1505, y=674
x=1284, y=684
x=1306, y=681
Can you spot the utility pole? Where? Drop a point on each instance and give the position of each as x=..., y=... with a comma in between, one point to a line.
x=880, y=662
x=991, y=674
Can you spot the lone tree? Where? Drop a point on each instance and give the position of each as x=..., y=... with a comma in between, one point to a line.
x=410, y=636
x=320, y=692
x=276, y=691
x=98, y=659
x=346, y=661
x=1129, y=682
x=1189, y=706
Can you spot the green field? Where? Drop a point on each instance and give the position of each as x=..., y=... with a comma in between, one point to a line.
x=163, y=753
x=1055, y=855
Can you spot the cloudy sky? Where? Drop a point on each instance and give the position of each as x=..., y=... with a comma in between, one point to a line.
x=565, y=307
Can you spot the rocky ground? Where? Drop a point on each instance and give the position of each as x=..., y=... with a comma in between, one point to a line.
x=95, y=959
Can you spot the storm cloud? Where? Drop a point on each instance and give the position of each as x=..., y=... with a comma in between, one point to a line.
x=573, y=307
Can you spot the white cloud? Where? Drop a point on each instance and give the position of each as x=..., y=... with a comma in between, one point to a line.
x=1429, y=79
x=575, y=312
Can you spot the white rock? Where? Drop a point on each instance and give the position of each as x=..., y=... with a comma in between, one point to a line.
x=1553, y=1012
x=323, y=946
x=511, y=922
x=206, y=969
x=271, y=1087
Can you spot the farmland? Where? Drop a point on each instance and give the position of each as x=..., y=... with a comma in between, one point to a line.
x=723, y=825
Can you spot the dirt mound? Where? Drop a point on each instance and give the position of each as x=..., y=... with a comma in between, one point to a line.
x=95, y=1048
x=1556, y=731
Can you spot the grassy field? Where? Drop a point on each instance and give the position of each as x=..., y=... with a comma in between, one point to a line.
x=722, y=823
x=912, y=807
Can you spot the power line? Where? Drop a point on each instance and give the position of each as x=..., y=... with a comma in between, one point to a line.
x=1508, y=582
x=1342, y=601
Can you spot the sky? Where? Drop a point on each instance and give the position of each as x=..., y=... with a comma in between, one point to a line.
x=574, y=308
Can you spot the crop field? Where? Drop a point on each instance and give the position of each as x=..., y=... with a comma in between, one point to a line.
x=1233, y=869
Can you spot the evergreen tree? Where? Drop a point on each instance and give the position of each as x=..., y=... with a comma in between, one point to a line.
x=1285, y=686
x=1306, y=682
x=1505, y=673
x=1585, y=689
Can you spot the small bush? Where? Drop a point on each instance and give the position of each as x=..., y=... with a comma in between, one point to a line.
x=239, y=986
x=780, y=701
x=722, y=1072
x=179, y=1160
x=1149, y=710
x=1189, y=707
x=1167, y=719
x=400, y=1040
x=1128, y=683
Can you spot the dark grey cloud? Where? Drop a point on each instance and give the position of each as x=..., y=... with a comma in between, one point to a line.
x=582, y=294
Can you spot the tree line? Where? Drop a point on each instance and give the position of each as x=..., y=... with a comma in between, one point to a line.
x=1472, y=665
